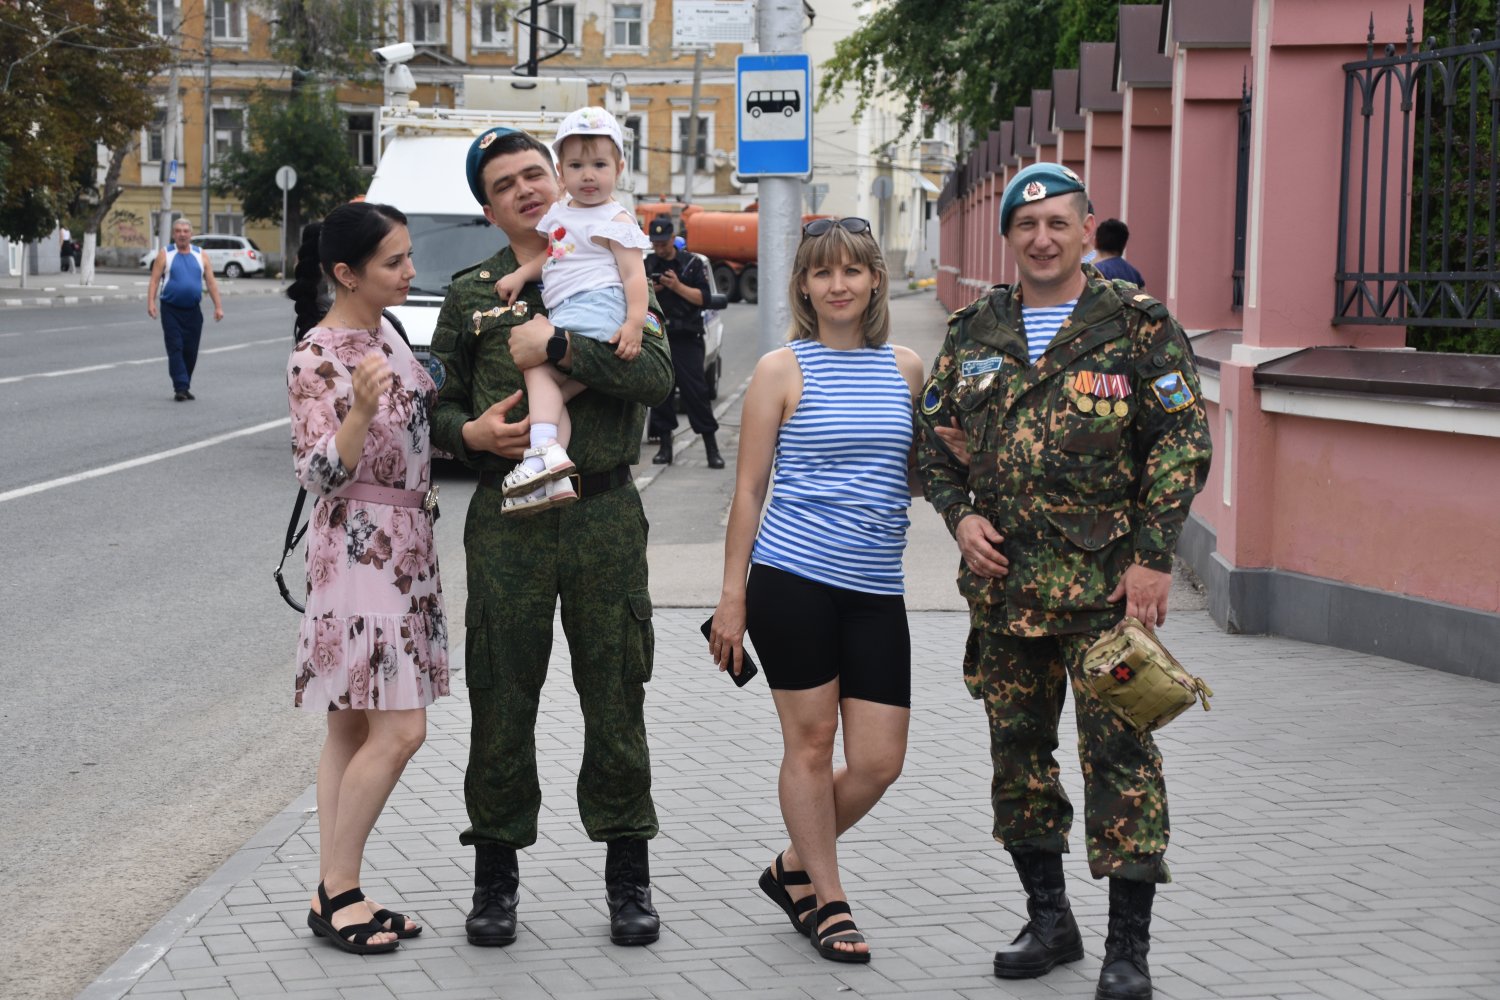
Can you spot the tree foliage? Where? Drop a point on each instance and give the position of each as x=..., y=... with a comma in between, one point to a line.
x=73, y=73
x=966, y=61
x=326, y=39
x=304, y=131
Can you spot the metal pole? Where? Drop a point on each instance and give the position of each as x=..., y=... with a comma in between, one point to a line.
x=208, y=111
x=691, y=168
x=169, y=150
x=283, y=235
x=779, y=28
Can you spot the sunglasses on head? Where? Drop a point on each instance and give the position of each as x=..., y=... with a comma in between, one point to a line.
x=849, y=224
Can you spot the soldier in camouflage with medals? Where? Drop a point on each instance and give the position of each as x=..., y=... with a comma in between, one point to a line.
x=1062, y=440
x=591, y=553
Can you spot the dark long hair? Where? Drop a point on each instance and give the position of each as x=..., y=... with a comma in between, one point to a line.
x=350, y=234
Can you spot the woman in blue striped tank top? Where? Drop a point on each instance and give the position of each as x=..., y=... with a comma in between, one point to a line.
x=818, y=581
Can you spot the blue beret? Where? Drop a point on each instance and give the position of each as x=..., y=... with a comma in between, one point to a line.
x=1038, y=181
x=475, y=159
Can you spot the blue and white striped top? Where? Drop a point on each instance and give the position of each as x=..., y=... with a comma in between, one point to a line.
x=1042, y=324
x=839, y=496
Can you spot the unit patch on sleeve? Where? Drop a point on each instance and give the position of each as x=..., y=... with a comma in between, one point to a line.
x=652, y=325
x=1172, y=392
x=932, y=399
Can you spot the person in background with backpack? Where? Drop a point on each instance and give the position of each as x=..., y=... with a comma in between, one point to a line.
x=181, y=274
x=373, y=646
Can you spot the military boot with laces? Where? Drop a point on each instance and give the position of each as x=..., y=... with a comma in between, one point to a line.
x=627, y=887
x=1125, y=975
x=497, y=889
x=1050, y=937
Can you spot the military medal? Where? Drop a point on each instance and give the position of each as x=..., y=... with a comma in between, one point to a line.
x=1122, y=408
x=519, y=309
x=480, y=315
x=1086, y=404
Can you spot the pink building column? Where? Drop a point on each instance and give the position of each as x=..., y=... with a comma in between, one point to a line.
x=1209, y=47
x=1298, y=52
x=1144, y=77
x=1067, y=122
x=1101, y=106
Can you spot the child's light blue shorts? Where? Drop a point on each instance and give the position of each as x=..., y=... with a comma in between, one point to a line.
x=595, y=314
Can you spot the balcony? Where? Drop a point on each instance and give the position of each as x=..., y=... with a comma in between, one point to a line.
x=937, y=154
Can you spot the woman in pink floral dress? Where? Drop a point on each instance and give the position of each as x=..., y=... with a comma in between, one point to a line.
x=373, y=647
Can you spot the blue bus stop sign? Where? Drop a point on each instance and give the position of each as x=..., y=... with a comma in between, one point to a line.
x=773, y=99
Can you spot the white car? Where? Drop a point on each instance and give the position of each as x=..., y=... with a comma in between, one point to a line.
x=231, y=256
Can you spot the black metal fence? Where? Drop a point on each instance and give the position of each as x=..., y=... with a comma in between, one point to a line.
x=1421, y=143
x=1241, y=198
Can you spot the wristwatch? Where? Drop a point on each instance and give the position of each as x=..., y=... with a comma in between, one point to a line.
x=557, y=345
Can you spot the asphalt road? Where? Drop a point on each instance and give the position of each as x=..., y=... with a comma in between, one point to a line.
x=147, y=660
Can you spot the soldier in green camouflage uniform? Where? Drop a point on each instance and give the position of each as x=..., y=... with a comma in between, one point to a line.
x=591, y=554
x=1081, y=467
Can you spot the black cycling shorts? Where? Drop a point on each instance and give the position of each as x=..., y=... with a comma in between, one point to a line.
x=810, y=633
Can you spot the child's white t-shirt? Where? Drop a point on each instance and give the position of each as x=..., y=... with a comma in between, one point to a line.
x=575, y=263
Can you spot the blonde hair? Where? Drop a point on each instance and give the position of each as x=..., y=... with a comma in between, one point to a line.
x=831, y=248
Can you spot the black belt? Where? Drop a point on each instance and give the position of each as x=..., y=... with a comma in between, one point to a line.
x=585, y=485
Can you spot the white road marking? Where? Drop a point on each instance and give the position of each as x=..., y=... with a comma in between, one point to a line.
x=26, y=491
x=138, y=361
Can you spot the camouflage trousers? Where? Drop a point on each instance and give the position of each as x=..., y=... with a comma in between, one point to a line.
x=1023, y=682
x=592, y=555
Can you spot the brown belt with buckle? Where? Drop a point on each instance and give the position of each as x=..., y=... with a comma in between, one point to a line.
x=586, y=485
x=370, y=493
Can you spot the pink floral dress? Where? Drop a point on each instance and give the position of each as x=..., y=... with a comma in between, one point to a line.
x=374, y=634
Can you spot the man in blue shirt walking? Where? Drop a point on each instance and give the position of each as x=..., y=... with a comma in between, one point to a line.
x=182, y=274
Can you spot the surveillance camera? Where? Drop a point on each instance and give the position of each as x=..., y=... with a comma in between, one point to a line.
x=399, y=53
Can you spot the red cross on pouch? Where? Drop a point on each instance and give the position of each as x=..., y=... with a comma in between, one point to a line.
x=1122, y=673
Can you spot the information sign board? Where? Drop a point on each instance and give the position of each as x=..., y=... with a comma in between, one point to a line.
x=705, y=22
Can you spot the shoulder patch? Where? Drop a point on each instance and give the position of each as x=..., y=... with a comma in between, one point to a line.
x=1172, y=392
x=652, y=326
x=1138, y=300
x=434, y=366
x=932, y=397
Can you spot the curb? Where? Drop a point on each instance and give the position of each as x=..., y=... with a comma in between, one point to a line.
x=125, y=973
x=54, y=301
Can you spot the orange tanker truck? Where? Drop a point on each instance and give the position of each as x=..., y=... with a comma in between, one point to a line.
x=730, y=240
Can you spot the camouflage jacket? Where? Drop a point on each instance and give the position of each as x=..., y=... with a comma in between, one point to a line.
x=1081, y=473
x=472, y=345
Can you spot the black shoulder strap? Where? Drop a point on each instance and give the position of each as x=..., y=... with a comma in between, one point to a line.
x=293, y=536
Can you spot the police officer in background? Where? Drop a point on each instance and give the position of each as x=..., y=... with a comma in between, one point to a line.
x=680, y=282
x=1084, y=443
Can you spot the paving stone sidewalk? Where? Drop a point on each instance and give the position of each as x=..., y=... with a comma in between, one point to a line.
x=1335, y=822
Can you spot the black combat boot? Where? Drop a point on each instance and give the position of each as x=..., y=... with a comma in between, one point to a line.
x=711, y=449
x=497, y=888
x=664, y=454
x=1125, y=975
x=1051, y=936
x=627, y=887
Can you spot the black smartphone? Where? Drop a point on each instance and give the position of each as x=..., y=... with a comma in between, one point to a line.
x=748, y=668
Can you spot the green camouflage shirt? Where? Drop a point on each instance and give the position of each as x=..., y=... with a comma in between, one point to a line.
x=1084, y=462
x=472, y=342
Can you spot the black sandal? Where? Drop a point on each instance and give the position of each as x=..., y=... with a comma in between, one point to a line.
x=798, y=910
x=355, y=938
x=400, y=925
x=843, y=932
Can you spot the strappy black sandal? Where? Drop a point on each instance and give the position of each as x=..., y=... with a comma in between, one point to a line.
x=843, y=932
x=399, y=923
x=355, y=938
x=797, y=910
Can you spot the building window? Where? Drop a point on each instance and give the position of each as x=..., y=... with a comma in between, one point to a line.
x=164, y=16
x=155, y=142
x=229, y=224
x=559, y=20
x=627, y=24
x=227, y=20
x=705, y=125
x=637, y=124
x=361, y=134
x=426, y=23
x=490, y=31
x=229, y=131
